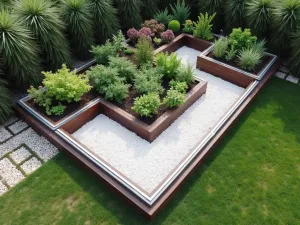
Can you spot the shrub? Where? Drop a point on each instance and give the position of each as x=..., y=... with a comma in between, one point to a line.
x=126, y=69
x=240, y=40
x=133, y=35
x=77, y=16
x=168, y=64
x=6, y=102
x=167, y=36
x=129, y=51
x=188, y=27
x=118, y=41
x=248, y=59
x=117, y=91
x=203, y=27
x=41, y=98
x=156, y=28
x=44, y=20
x=174, y=25
x=174, y=98
x=145, y=32
x=220, y=47
x=103, y=52
x=129, y=13
x=144, y=52
x=58, y=110
x=163, y=17
x=185, y=73
x=146, y=105
x=178, y=86
x=157, y=41
x=234, y=13
x=105, y=18
x=148, y=80
x=19, y=51
x=181, y=12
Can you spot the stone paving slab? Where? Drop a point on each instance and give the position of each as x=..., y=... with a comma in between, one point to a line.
x=31, y=165
x=9, y=173
x=20, y=155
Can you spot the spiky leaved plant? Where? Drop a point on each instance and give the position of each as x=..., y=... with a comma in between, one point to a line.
x=234, y=14
x=149, y=8
x=285, y=21
x=130, y=13
x=295, y=53
x=5, y=4
x=211, y=7
x=105, y=18
x=258, y=15
x=44, y=20
x=6, y=101
x=180, y=11
x=78, y=18
x=19, y=51
x=162, y=4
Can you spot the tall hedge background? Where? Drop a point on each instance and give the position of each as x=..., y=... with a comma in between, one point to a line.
x=40, y=35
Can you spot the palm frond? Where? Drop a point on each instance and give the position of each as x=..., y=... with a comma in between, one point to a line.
x=78, y=18
x=130, y=13
x=44, y=20
x=105, y=19
x=19, y=51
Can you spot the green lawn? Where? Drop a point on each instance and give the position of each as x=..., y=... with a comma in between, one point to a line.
x=252, y=177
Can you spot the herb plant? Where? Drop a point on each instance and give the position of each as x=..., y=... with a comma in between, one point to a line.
x=147, y=105
x=168, y=64
x=188, y=27
x=220, y=47
x=148, y=80
x=126, y=69
x=185, y=73
x=240, y=40
x=117, y=91
x=103, y=52
x=174, y=98
x=144, y=51
x=178, y=86
x=203, y=27
x=129, y=51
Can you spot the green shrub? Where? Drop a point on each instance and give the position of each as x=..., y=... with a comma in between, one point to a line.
x=240, y=40
x=163, y=17
x=129, y=51
x=22, y=61
x=129, y=13
x=77, y=16
x=117, y=91
x=185, y=74
x=148, y=80
x=174, y=25
x=144, y=51
x=147, y=105
x=58, y=110
x=230, y=53
x=126, y=69
x=41, y=98
x=157, y=41
x=118, y=41
x=45, y=22
x=220, y=47
x=168, y=64
x=5, y=103
x=179, y=86
x=249, y=59
x=203, y=27
x=234, y=13
x=181, y=12
x=103, y=52
x=174, y=98
x=106, y=21
x=188, y=27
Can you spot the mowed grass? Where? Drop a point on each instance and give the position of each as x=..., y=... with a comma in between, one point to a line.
x=252, y=177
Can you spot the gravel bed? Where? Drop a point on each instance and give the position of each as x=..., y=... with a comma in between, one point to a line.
x=20, y=155
x=4, y=134
x=147, y=164
x=10, y=173
x=3, y=188
x=17, y=126
x=188, y=55
x=31, y=165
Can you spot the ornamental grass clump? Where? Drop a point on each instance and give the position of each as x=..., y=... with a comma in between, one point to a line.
x=181, y=12
x=6, y=103
x=144, y=52
x=185, y=73
x=220, y=47
x=147, y=105
x=248, y=59
x=203, y=27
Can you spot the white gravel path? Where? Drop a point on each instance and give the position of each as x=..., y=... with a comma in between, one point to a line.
x=10, y=173
x=31, y=165
x=18, y=126
x=148, y=164
x=20, y=155
x=188, y=55
x=3, y=188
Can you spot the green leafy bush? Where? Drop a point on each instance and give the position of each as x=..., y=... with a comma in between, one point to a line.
x=185, y=74
x=126, y=69
x=220, y=47
x=188, y=27
x=174, y=25
x=203, y=27
x=41, y=98
x=181, y=11
x=179, y=86
x=144, y=51
x=103, y=52
x=147, y=105
x=240, y=40
x=163, y=16
x=168, y=64
x=248, y=59
x=118, y=41
x=58, y=110
x=117, y=91
x=148, y=80
x=174, y=98
x=129, y=51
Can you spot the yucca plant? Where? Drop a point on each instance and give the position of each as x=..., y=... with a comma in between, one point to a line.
x=78, y=18
x=234, y=14
x=19, y=51
x=5, y=4
x=258, y=15
x=149, y=8
x=44, y=20
x=130, y=13
x=181, y=11
x=285, y=21
x=295, y=53
x=162, y=4
x=105, y=19
x=6, y=101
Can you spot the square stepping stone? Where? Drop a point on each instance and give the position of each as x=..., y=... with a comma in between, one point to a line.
x=4, y=134
x=280, y=75
x=20, y=155
x=17, y=127
x=284, y=69
x=3, y=188
x=293, y=79
x=31, y=165
x=10, y=174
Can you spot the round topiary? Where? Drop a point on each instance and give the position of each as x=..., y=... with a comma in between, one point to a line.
x=174, y=25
